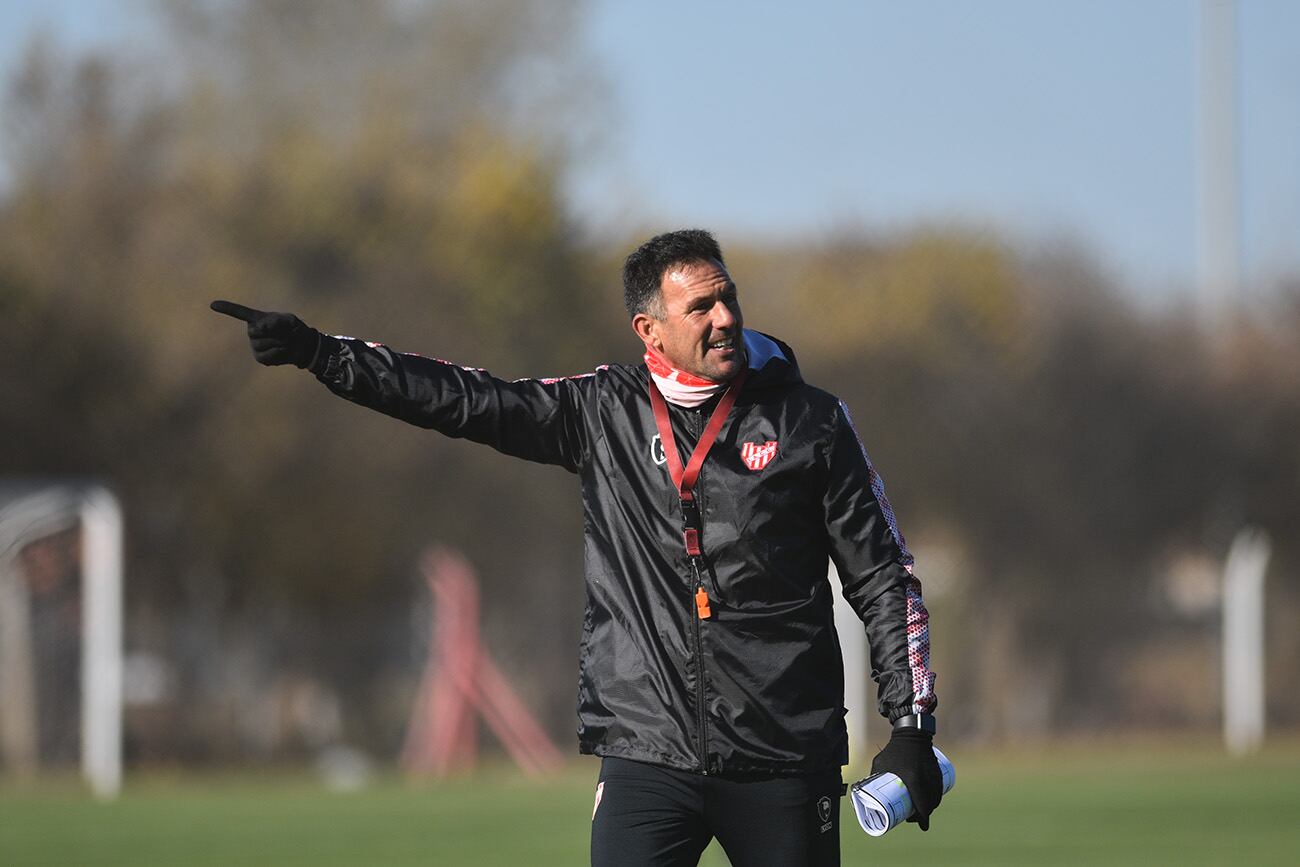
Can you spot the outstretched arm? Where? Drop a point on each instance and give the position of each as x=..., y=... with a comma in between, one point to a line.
x=534, y=419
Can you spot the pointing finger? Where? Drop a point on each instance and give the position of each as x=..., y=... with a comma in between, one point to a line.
x=238, y=311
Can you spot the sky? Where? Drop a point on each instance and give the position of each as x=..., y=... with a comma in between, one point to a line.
x=1044, y=121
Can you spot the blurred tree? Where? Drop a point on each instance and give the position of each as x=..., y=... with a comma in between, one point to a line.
x=370, y=166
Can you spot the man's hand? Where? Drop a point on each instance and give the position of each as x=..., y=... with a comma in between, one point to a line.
x=276, y=338
x=910, y=755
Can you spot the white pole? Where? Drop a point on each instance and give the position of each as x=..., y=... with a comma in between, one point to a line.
x=1219, y=257
x=853, y=647
x=101, y=649
x=1243, y=642
x=19, y=733
x=27, y=513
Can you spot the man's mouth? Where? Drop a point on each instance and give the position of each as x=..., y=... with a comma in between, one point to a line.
x=723, y=345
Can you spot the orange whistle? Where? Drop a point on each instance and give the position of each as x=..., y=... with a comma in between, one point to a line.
x=702, y=603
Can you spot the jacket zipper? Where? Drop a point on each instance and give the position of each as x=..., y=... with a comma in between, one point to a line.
x=700, y=710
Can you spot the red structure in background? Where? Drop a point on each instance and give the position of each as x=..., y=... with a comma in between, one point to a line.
x=461, y=683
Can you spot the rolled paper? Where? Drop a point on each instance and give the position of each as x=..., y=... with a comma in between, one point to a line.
x=881, y=801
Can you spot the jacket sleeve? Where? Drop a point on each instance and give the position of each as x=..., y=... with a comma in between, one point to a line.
x=535, y=419
x=875, y=569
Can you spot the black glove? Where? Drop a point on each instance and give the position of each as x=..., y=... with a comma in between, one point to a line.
x=277, y=338
x=910, y=755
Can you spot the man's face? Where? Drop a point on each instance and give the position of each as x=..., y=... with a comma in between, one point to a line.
x=700, y=332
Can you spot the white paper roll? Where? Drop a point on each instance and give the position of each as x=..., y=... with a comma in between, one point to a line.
x=881, y=800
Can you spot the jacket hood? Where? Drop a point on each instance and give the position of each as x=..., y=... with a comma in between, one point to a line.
x=771, y=361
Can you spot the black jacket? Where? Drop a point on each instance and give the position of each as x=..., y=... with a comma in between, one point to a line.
x=759, y=687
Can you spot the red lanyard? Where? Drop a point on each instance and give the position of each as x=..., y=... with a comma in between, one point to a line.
x=684, y=479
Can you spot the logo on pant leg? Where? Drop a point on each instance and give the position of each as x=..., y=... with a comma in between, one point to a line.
x=600, y=793
x=824, y=811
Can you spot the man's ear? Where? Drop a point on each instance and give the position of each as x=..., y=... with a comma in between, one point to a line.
x=644, y=326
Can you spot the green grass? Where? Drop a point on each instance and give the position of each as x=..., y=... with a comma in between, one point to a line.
x=1102, y=805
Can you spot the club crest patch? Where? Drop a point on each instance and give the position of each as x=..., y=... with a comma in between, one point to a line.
x=758, y=455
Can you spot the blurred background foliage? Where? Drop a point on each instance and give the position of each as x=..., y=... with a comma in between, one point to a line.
x=1069, y=467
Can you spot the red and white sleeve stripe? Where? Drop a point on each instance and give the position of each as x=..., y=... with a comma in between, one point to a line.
x=918, y=618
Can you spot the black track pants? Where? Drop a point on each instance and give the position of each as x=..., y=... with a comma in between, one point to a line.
x=649, y=816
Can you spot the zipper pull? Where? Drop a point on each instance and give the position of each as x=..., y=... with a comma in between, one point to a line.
x=702, y=603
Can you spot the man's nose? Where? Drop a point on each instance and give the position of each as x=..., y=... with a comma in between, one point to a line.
x=723, y=317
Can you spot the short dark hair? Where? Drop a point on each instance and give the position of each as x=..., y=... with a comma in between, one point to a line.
x=643, y=271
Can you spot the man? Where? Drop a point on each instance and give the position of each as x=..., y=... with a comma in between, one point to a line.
x=716, y=484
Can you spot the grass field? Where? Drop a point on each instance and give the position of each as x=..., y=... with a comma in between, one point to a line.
x=1103, y=805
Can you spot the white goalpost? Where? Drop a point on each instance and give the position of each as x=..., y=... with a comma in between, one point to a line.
x=28, y=514
x=1243, y=641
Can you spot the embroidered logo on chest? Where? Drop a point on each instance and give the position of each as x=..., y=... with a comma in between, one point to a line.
x=758, y=455
x=657, y=450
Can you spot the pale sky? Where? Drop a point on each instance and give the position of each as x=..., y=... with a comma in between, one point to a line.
x=1042, y=119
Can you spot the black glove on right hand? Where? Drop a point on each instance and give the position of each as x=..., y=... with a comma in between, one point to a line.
x=910, y=755
x=276, y=338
